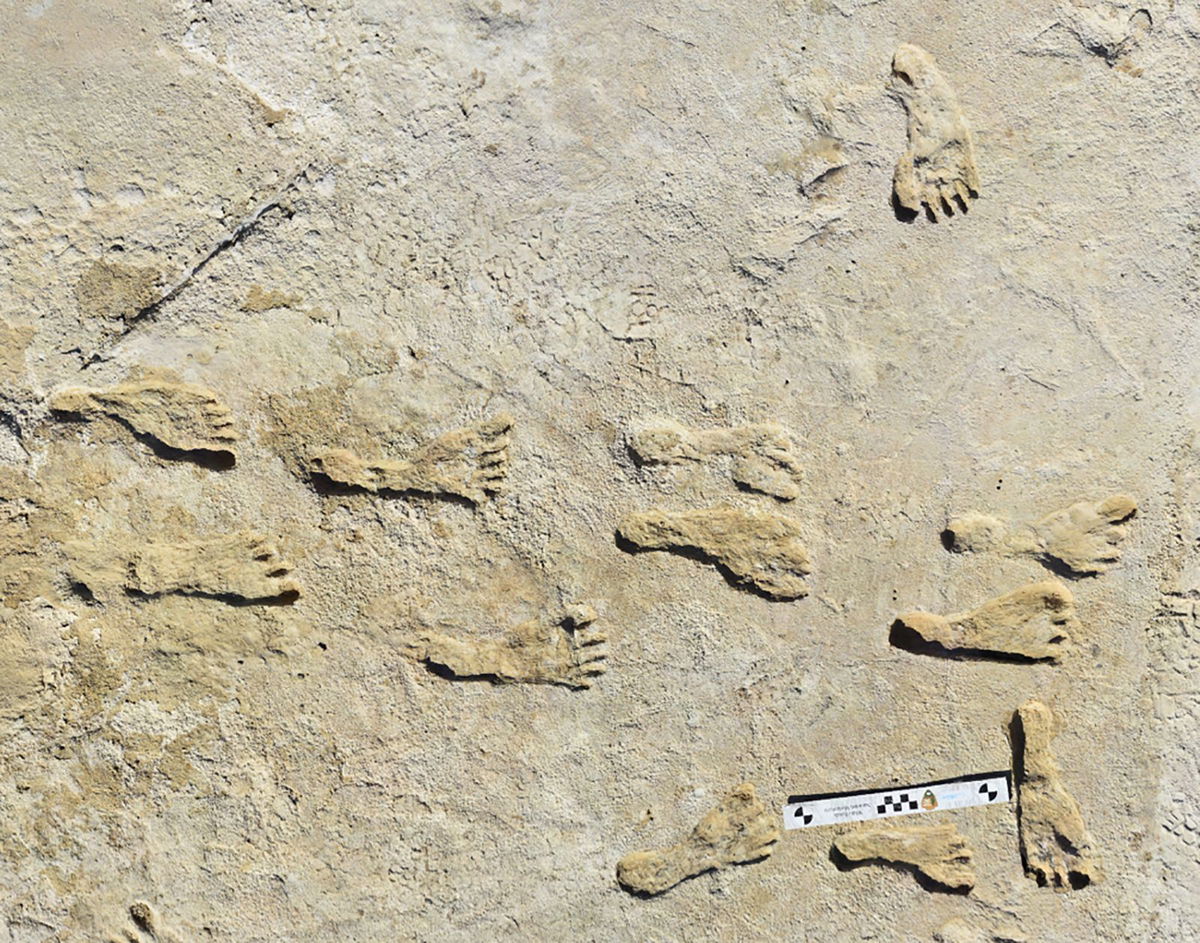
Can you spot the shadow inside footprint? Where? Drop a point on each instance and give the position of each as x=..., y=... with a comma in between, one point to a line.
x=437, y=669
x=1058, y=568
x=636, y=457
x=751, y=489
x=325, y=486
x=84, y=592
x=1016, y=740
x=902, y=212
x=842, y=863
x=441, y=671
x=286, y=598
x=211, y=459
x=644, y=895
x=903, y=637
x=650, y=895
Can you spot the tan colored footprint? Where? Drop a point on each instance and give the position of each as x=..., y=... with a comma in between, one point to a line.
x=470, y=463
x=1109, y=31
x=181, y=416
x=737, y=831
x=937, y=171
x=761, y=550
x=937, y=851
x=763, y=454
x=1034, y=621
x=564, y=650
x=241, y=565
x=1085, y=538
x=960, y=930
x=34, y=655
x=1055, y=844
x=145, y=927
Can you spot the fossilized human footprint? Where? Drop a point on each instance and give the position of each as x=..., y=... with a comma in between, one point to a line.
x=243, y=565
x=1055, y=844
x=34, y=654
x=564, y=650
x=763, y=453
x=1112, y=31
x=471, y=463
x=146, y=927
x=1086, y=537
x=938, y=167
x=937, y=851
x=960, y=930
x=181, y=416
x=1108, y=31
x=1033, y=621
x=737, y=831
x=761, y=550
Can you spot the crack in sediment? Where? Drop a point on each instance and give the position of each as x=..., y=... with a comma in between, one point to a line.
x=228, y=241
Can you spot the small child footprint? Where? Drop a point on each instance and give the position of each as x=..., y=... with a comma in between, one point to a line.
x=241, y=565
x=180, y=416
x=564, y=650
x=470, y=463
x=1085, y=538
x=760, y=550
x=937, y=852
x=738, y=831
x=1055, y=844
x=144, y=927
x=763, y=454
x=1034, y=621
x=937, y=171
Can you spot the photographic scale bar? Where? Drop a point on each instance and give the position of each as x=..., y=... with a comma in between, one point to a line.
x=833, y=808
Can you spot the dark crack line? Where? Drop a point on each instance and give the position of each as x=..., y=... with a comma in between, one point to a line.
x=239, y=232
